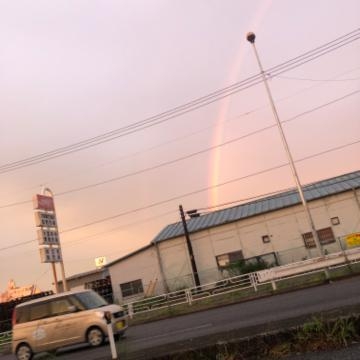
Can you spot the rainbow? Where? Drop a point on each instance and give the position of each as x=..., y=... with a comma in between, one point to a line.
x=224, y=105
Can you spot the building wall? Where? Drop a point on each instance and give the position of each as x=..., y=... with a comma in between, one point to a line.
x=142, y=266
x=284, y=228
x=176, y=263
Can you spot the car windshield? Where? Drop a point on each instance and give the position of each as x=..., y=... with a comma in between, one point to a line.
x=90, y=300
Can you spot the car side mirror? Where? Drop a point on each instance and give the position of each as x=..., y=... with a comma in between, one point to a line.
x=72, y=309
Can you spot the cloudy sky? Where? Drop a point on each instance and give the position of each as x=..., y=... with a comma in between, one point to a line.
x=75, y=71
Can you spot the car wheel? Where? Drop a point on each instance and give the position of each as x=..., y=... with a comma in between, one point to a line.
x=24, y=352
x=95, y=337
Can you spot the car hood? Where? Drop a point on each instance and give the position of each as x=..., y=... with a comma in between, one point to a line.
x=113, y=308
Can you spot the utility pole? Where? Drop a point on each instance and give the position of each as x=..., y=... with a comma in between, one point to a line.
x=251, y=38
x=189, y=247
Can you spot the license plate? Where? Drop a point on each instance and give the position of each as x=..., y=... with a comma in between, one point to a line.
x=119, y=325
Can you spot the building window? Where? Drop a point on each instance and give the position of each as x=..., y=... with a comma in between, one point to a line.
x=132, y=288
x=265, y=239
x=102, y=287
x=335, y=220
x=326, y=236
x=225, y=260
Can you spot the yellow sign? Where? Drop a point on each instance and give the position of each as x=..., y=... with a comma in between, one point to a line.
x=353, y=240
x=100, y=261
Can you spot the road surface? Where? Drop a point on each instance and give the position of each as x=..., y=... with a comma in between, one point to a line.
x=229, y=322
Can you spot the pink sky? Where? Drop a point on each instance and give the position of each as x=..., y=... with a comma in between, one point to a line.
x=74, y=70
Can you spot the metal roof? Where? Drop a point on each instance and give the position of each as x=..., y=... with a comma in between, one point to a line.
x=286, y=199
x=85, y=274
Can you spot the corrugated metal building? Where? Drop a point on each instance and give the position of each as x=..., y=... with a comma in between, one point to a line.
x=273, y=229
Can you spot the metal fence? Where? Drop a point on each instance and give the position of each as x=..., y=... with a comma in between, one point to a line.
x=273, y=259
x=338, y=256
x=242, y=282
x=190, y=295
x=5, y=339
x=302, y=253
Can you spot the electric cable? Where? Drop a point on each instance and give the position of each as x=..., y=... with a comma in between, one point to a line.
x=235, y=117
x=190, y=106
x=207, y=188
x=316, y=80
x=178, y=197
x=188, y=156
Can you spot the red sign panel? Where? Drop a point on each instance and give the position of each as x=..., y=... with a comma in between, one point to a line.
x=43, y=202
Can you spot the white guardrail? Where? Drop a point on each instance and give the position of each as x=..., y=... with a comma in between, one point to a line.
x=5, y=338
x=242, y=282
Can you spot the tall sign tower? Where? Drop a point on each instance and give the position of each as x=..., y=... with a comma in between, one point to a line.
x=48, y=234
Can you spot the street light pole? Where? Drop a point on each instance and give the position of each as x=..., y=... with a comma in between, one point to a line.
x=251, y=38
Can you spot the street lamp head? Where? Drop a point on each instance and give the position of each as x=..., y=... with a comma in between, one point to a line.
x=193, y=213
x=250, y=36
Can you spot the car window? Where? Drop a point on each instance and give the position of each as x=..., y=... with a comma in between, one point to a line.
x=77, y=303
x=39, y=311
x=90, y=300
x=22, y=314
x=60, y=306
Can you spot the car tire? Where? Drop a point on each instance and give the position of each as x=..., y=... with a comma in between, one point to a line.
x=95, y=337
x=24, y=352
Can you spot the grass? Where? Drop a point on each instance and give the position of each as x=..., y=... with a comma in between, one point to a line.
x=316, y=335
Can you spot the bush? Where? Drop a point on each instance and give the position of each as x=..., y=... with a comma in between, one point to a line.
x=242, y=267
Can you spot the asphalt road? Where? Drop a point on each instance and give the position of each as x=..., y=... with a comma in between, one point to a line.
x=230, y=322
x=243, y=319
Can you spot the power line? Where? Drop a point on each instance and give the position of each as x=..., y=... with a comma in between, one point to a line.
x=207, y=188
x=193, y=154
x=242, y=200
x=141, y=171
x=187, y=107
x=129, y=212
x=123, y=226
x=17, y=245
x=317, y=80
x=209, y=148
x=97, y=234
x=322, y=105
x=16, y=204
x=235, y=117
